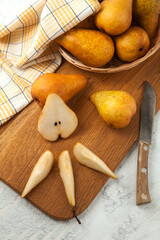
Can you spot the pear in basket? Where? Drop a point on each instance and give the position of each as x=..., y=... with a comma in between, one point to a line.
x=115, y=16
x=132, y=44
x=146, y=13
x=91, y=47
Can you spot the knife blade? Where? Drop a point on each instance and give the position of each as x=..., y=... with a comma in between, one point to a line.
x=148, y=109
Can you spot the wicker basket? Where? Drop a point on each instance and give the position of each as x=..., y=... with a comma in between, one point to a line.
x=115, y=65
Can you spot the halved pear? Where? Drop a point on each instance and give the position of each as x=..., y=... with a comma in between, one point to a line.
x=89, y=159
x=66, y=173
x=56, y=119
x=39, y=172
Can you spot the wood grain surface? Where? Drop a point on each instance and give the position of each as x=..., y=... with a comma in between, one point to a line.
x=21, y=145
x=143, y=195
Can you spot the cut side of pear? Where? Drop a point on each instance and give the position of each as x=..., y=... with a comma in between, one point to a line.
x=89, y=159
x=56, y=119
x=66, y=173
x=39, y=172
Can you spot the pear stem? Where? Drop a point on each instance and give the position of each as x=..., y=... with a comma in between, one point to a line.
x=74, y=213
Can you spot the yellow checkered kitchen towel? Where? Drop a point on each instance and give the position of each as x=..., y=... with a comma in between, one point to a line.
x=27, y=48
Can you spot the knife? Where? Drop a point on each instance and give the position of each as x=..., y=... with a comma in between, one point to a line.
x=146, y=127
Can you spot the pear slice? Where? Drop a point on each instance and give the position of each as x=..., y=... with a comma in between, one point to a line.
x=56, y=119
x=89, y=159
x=39, y=172
x=66, y=173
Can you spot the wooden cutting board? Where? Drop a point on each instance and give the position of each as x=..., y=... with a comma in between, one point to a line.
x=21, y=145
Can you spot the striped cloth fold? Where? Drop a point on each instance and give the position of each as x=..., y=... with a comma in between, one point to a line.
x=27, y=48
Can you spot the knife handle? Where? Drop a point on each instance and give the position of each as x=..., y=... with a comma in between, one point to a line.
x=142, y=174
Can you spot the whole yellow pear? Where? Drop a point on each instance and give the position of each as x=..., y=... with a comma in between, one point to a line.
x=115, y=16
x=146, y=13
x=66, y=86
x=132, y=44
x=115, y=107
x=91, y=47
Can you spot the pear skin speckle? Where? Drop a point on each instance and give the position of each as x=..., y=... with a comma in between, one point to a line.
x=116, y=108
